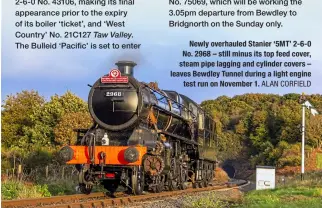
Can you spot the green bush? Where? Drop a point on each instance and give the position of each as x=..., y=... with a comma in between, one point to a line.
x=62, y=187
x=12, y=189
x=289, y=161
x=39, y=158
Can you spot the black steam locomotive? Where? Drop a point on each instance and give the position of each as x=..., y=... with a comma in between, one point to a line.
x=143, y=138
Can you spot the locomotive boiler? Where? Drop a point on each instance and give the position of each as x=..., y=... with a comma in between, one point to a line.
x=142, y=138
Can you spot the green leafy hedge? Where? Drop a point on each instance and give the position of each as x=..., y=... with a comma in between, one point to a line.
x=12, y=189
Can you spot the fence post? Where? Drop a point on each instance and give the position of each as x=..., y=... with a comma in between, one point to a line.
x=19, y=172
x=47, y=170
x=62, y=174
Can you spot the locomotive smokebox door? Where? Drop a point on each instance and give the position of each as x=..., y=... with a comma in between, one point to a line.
x=114, y=107
x=115, y=101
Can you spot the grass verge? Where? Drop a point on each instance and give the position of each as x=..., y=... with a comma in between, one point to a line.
x=289, y=197
x=12, y=189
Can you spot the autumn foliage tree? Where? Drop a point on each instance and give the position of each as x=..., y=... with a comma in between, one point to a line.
x=64, y=134
x=53, y=112
x=19, y=118
x=32, y=126
x=265, y=128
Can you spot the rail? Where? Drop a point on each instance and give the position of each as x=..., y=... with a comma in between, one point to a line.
x=100, y=200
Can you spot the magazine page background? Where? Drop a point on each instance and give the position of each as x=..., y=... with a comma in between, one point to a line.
x=55, y=71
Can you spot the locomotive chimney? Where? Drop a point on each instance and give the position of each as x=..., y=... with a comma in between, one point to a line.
x=126, y=67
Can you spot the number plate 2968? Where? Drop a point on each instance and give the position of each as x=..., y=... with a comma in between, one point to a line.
x=114, y=94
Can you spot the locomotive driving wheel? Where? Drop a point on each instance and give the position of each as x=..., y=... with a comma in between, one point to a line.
x=201, y=184
x=183, y=178
x=172, y=182
x=85, y=189
x=158, y=184
x=173, y=176
x=85, y=181
x=137, y=180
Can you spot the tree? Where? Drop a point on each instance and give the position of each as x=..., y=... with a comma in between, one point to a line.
x=19, y=118
x=54, y=110
x=314, y=131
x=266, y=125
x=291, y=156
x=28, y=122
x=64, y=130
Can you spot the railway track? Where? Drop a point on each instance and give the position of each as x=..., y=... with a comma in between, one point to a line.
x=100, y=200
